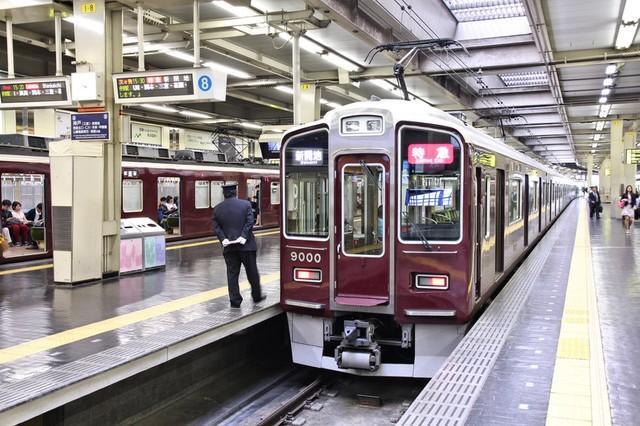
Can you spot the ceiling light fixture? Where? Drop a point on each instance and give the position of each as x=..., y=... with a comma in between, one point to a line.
x=604, y=110
x=228, y=70
x=333, y=105
x=160, y=108
x=340, y=62
x=285, y=89
x=605, y=92
x=183, y=56
x=312, y=47
x=249, y=125
x=602, y=100
x=600, y=125
x=305, y=44
x=596, y=137
x=593, y=151
x=607, y=82
x=611, y=69
x=631, y=11
x=626, y=35
x=240, y=11
x=384, y=84
x=194, y=114
x=594, y=145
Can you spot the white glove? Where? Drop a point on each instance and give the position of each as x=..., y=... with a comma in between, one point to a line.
x=242, y=240
x=225, y=242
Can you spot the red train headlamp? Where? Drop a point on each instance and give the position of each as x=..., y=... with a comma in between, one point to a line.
x=305, y=275
x=432, y=282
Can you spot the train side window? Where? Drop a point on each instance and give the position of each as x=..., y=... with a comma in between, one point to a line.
x=533, y=196
x=515, y=200
x=487, y=207
x=275, y=193
x=132, y=191
x=216, y=192
x=202, y=194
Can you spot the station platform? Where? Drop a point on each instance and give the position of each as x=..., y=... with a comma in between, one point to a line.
x=559, y=345
x=58, y=344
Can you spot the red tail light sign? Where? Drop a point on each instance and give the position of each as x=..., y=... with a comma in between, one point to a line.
x=438, y=153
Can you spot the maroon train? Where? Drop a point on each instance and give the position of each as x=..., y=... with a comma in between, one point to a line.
x=398, y=223
x=25, y=177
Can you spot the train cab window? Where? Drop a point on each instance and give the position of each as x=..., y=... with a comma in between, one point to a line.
x=515, y=200
x=363, y=210
x=306, y=193
x=216, y=192
x=132, y=195
x=487, y=207
x=202, y=194
x=275, y=193
x=430, y=177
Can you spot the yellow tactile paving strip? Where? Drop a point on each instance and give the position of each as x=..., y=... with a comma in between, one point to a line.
x=579, y=393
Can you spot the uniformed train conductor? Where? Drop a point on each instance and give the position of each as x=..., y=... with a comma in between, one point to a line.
x=233, y=223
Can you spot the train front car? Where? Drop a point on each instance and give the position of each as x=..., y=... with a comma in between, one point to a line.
x=374, y=248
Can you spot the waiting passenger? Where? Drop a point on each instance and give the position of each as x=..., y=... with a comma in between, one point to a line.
x=628, y=204
x=19, y=225
x=5, y=214
x=595, y=204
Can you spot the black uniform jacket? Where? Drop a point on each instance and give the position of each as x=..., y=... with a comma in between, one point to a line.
x=233, y=218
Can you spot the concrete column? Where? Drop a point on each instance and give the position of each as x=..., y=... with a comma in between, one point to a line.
x=590, y=170
x=605, y=180
x=309, y=103
x=617, y=164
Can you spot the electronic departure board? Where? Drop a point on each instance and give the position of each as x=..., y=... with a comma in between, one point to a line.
x=167, y=86
x=35, y=92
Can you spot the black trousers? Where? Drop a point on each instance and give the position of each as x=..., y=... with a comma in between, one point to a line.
x=594, y=209
x=234, y=259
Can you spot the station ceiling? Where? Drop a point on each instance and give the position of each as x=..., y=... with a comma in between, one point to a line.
x=544, y=75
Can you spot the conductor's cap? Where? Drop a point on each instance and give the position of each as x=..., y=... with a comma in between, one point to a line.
x=229, y=187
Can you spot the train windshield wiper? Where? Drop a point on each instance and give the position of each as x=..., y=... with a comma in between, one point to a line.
x=420, y=232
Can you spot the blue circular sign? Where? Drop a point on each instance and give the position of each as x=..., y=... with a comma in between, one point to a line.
x=205, y=83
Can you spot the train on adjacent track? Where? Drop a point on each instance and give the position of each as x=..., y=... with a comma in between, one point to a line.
x=399, y=222
x=197, y=188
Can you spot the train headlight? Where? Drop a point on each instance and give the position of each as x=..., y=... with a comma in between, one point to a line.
x=431, y=282
x=362, y=125
x=306, y=275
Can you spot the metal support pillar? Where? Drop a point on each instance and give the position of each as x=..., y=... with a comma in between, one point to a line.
x=10, y=58
x=617, y=165
x=309, y=103
x=605, y=180
x=58, y=38
x=140, y=35
x=196, y=33
x=590, y=170
x=296, y=69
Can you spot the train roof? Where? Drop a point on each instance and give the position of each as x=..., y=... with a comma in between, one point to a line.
x=416, y=111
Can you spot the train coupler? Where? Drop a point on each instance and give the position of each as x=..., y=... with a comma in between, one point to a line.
x=358, y=349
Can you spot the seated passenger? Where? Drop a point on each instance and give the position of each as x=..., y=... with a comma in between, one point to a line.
x=5, y=214
x=172, y=208
x=35, y=215
x=19, y=225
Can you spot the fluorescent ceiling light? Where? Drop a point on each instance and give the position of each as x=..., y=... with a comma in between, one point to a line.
x=305, y=44
x=148, y=47
x=333, y=105
x=611, y=69
x=605, y=92
x=600, y=125
x=481, y=10
x=194, y=114
x=631, y=12
x=593, y=151
x=384, y=84
x=604, y=110
x=239, y=11
x=323, y=101
x=312, y=47
x=594, y=145
x=249, y=125
x=85, y=24
x=216, y=121
x=519, y=79
x=603, y=100
x=184, y=56
x=625, y=36
x=596, y=137
x=160, y=108
x=285, y=89
x=228, y=70
x=607, y=82
x=340, y=62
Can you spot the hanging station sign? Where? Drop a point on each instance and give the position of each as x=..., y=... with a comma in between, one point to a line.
x=89, y=126
x=172, y=85
x=41, y=92
x=633, y=156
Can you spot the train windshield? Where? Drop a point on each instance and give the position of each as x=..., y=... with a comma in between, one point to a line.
x=306, y=171
x=430, y=176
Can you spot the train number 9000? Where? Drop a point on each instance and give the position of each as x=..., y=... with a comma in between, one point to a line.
x=300, y=256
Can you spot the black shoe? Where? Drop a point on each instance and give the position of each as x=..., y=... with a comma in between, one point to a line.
x=260, y=299
x=235, y=305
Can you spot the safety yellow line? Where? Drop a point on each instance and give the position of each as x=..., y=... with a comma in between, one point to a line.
x=73, y=335
x=176, y=247
x=579, y=392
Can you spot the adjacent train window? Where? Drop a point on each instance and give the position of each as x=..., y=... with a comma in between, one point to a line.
x=132, y=190
x=202, y=194
x=487, y=207
x=363, y=210
x=515, y=199
x=533, y=196
x=430, y=178
x=216, y=192
x=275, y=193
x=28, y=189
x=306, y=192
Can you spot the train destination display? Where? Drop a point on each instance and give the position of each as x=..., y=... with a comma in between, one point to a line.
x=35, y=92
x=167, y=86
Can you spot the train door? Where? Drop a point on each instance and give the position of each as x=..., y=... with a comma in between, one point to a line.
x=527, y=206
x=540, y=204
x=500, y=182
x=361, y=218
x=28, y=189
x=169, y=189
x=254, y=195
x=480, y=207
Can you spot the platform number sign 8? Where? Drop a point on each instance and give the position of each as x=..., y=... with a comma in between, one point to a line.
x=205, y=83
x=305, y=257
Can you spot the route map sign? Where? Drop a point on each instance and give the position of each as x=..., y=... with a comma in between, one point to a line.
x=169, y=86
x=43, y=92
x=90, y=126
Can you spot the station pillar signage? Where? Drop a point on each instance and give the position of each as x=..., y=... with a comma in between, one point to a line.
x=90, y=126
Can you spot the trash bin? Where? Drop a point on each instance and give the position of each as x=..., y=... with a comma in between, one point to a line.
x=153, y=242
x=131, y=248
